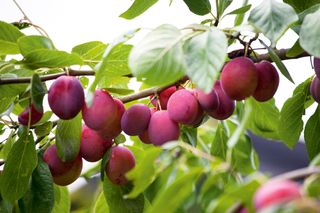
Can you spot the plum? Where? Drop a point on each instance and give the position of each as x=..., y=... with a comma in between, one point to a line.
x=208, y=101
x=135, y=119
x=268, y=81
x=183, y=107
x=316, y=64
x=239, y=78
x=315, y=89
x=66, y=97
x=144, y=136
x=226, y=105
x=275, y=192
x=93, y=146
x=36, y=115
x=164, y=97
x=63, y=173
x=162, y=129
x=102, y=113
x=121, y=161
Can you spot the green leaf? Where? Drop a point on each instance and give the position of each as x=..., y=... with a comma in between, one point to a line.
x=43, y=129
x=205, y=55
x=117, y=204
x=103, y=164
x=8, y=48
x=5, y=103
x=40, y=197
x=264, y=120
x=291, y=123
x=312, y=135
x=62, y=201
x=295, y=50
x=8, y=39
x=189, y=135
x=145, y=172
x=219, y=144
x=180, y=189
x=199, y=7
x=272, y=18
x=101, y=205
x=240, y=10
x=38, y=91
x=309, y=31
x=300, y=6
x=311, y=186
x=222, y=6
x=5, y=150
x=119, y=91
x=158, y=58
x=21, y=162
x=239, y=18
x=52, y=58
x=68, y=136
x=137, y=8
x=5, y=206
x=31, y=43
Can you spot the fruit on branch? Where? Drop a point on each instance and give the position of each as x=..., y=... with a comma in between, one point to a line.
x=162, y=129
x=144, y=136
x=66, y=97
x=226, y=105
x=113, y=129
x=315, y=89
x=208, y=101
x=102, y=112
x=183, y=107
x=268, y=81
x=36, y=115
x=63, y=173
x=276, y=192
x=135, y=119
x=316, y=64
x=121, y=161
x=163, y=97
x=239, y=78
x=93, y=146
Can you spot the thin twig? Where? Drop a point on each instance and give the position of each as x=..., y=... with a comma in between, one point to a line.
x=298, y=174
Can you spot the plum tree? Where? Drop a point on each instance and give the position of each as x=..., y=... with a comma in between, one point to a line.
x=239, y=78
x=183, y=106
x=135, y=119
x=121, y=161
x=113, y=129
x=162, y=129
x=315, y=89
x=66, y=97
x=93, y=146
x=275, y=192
x=35, y=116
x=209, y=102
x=268, y=81
x=226, y=105
x=163, y=97
x=63, y=173
x=102, y=113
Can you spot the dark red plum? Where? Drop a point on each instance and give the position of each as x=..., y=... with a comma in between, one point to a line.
x=93, y=146
x=226, y=105
x=121, y=161
x=135, y=119
x=102, y=112
x=268, y=81
x=144, y=136
x=66, y=97
x=162, y=129
x=315, y=89
x=208, y=101
x=63, y=173
x=239, y=78
x=164, y=97
x=36, y=116
x=316, y=64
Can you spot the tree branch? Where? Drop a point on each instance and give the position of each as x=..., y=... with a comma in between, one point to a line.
x=298, y=174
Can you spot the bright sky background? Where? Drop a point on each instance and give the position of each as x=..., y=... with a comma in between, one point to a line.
x=71, y=22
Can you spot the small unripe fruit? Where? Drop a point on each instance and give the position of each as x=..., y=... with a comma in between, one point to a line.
x=316, y=64
x=183, y=107
x=93, y=146
x=275, y=192
x=135, y=119
x=208, y=101
x=121, y=161
x=226, y=105
x=36, y=116
x=162, y=129
x=66, y=97
x=239, y=78
x=315, y=89
x=102, y=112
x=63, y=173
x=164, y=97
x=268, y=81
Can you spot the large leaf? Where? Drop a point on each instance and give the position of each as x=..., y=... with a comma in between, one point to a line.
x=205, y=55
x=40, y=197
x=62, y=201
x=300, y=6
x=68, y=136
x=101, y=205
x=7, y=47
x=8, y=38
x=272, y=18
x=28, y=44
x=137, y=8
x=312, y=135
x=309, y=31
x=158, y=58
x=21, y=162
x=239, y=18
x=222, y=6
x=199, y=7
